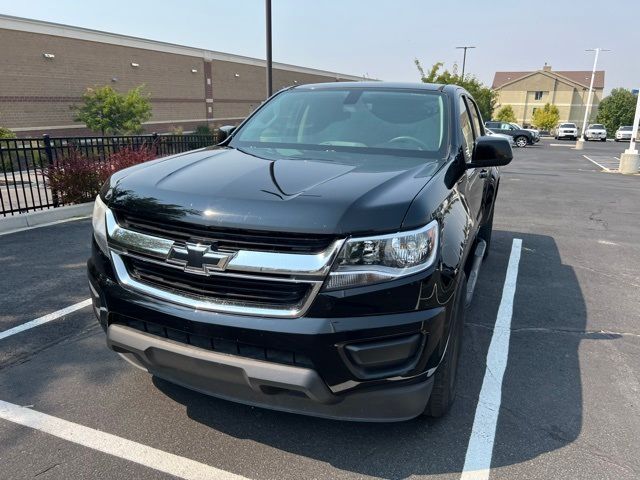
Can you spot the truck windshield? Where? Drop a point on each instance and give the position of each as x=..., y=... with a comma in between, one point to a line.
x=568, y=125
x=335, y=123
x=597, y=126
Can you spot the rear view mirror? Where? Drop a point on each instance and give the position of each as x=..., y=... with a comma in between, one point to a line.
x=491, y=151
x=224, y=132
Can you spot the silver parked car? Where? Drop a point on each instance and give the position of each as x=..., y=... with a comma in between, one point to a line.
x=596, y=131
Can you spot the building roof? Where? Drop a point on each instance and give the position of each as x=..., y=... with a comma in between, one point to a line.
x=9, y=22
x=582, y=77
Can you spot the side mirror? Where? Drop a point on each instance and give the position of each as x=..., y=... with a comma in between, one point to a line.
x=491, y=151
x=224, y=132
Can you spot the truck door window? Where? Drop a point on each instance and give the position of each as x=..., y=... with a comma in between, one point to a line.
x=475, y=118
x=467, y=130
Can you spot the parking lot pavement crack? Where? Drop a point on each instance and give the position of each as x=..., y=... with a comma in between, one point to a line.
x=47, y=470
x=595, y=217
x=570, y=331
x=23, y=358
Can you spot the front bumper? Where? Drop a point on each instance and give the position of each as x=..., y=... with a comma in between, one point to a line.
x=595, y=136
x=345, y=376
x=264, y=384
x=565, y=134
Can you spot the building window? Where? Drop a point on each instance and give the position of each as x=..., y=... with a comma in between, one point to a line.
x=539, y=95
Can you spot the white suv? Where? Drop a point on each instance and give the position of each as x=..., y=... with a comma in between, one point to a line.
x=567, y=130
x=624, y=133
x=596, y=131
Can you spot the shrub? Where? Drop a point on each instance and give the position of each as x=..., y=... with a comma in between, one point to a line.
x=6, y=133
x=78, y=178
x=127, y=157
x=203, y=130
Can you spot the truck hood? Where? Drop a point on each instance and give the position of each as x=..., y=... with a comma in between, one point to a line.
x=228, y=188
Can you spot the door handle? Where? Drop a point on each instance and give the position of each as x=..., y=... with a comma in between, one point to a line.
x=484, y=173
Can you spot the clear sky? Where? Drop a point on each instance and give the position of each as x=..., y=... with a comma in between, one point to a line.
x=379, y=38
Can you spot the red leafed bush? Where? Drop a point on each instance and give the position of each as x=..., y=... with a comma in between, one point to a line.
x=127, y=157
x=78, y=178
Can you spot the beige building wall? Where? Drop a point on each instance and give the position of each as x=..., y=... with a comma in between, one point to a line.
x=187, y=86
x=569, y=97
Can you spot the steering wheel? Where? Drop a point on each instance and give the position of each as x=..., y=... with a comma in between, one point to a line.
x=405, y=138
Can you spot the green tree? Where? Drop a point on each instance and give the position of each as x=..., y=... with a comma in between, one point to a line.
x=617, y=109
x=484, y=96
x=107, y=111
x=505, y=114
x=6, y=133
x=546, y=118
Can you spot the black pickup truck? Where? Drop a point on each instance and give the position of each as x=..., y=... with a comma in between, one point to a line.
x=318, y=260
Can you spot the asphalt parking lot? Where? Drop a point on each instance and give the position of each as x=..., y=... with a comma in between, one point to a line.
x=566, y=407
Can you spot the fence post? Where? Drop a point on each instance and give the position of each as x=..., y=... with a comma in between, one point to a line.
x=154, y=137
x=48, y=151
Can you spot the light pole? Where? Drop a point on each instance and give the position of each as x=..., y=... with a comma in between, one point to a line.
x=464, y=57
x=630, y=160
x=587, y=111
x=267, y=5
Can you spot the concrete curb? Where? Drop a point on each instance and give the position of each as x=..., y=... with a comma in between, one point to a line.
x=44, y=217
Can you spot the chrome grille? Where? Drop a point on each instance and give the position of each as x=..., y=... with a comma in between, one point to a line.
x=220, y=287
x=209, y=275
x=233, y=239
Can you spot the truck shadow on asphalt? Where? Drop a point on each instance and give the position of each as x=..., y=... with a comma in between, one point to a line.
x=541, y=407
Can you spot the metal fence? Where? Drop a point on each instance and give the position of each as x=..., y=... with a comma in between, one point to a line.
x=24, y=162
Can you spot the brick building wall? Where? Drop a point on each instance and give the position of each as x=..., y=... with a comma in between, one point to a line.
x=187, y=86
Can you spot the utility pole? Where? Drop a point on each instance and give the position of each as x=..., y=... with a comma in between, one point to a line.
x=267, y=5
x=630, y=160
x=464, y=57
x=587, y=111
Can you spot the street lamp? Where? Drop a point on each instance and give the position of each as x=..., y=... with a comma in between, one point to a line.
x=464, y=57
x=267, y=5
x=630, y=160
x=580, y=142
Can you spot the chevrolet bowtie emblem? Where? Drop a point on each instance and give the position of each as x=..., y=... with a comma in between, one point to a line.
x=201, y=259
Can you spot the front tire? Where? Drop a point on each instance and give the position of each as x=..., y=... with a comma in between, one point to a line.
x=444, y=384
x=603, y=139
x=521, y=141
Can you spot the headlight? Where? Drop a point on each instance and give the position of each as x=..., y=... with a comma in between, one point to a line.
x=377, y=259
x=100, y=225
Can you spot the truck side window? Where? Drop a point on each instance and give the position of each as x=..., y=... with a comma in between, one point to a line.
x=475, y=118
x=467, y=131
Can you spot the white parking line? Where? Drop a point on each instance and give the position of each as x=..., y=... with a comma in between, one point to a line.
x=477, y=462
x=107, y=443
x=593, y=161
x=44, y=319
